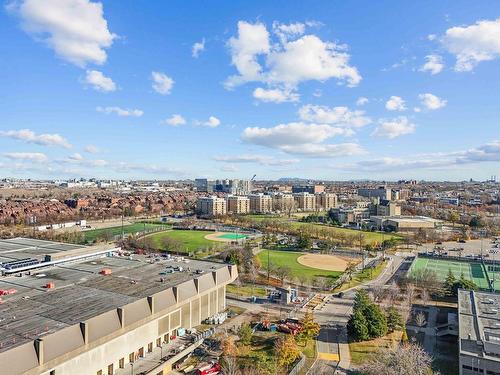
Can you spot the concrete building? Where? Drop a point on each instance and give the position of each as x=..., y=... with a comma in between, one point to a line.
x=203, y=185
x=479, y=333
x=326, y=201
x=405, y=223
x=283, y=203
x=351, y=215
x=110, y=315
x=235, y=187
x=311, y=189
x=387, y=208
x=305, y=201
x=238, y=205
x=381, y=192
x=211, y=206
x=260, y=203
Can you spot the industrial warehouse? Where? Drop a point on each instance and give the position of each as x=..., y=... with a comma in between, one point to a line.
x=69, y=309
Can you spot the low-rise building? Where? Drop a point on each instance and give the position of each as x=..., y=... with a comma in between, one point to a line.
x=381, y=192
x=238, y=205
x=211, y=206
x=479, y=333
x=404, y=223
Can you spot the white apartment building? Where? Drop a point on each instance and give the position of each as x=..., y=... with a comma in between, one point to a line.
x=211, y=206
x=238, y=205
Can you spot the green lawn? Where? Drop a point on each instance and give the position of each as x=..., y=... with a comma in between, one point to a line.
x=361, y=351
x=289, y=259
x=94, y=234
x=363, y=276
x=246, y=290
x=191, y=239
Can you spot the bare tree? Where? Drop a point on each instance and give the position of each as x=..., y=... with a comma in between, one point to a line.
x=420, y=319
x=229, y=366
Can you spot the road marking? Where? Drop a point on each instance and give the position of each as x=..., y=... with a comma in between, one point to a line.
x=329, y=356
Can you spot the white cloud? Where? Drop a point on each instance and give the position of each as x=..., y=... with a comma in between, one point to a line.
x=473, y=44
x=229, y=168
x=362, y=101
x=258, y=159
x=30, y=136
x=91, y=149
x=275, y=95
x=174, y=120
x=36, y=157
x=489, y=152
x=99, y=81
x=125, y=167
x=394, y=128
x=75, y=29
x=122, y=112
x=212, y=122
x=293, y=59
x=341, y=116
x=431, y=101
x=162, y=83
x=434, y=64
x=395, y=103
x=198, y=48
x=324, y=150
x=76, y=156
x=431, y=37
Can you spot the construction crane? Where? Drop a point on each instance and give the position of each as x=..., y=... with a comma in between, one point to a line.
x=253, y=178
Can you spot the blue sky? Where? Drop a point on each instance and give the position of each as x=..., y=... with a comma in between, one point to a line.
x=183, y=89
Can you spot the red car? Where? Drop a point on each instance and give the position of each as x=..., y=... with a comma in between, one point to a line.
x=212, y=368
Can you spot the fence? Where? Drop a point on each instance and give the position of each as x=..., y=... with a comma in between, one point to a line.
x=298, y=365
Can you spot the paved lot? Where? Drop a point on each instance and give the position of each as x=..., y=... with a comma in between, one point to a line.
x=471, y=247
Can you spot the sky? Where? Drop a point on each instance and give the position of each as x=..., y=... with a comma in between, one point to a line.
x=333, y=90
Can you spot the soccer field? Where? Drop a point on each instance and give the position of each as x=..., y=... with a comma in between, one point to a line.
x=471, y=270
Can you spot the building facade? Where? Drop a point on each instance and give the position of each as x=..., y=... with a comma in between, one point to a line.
x=305, y=201
x=211, y=206
x=260, y=203
x=283, y=203
x=326, y=201
x=238, y=205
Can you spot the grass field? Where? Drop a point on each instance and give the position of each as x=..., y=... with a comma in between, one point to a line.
x=362, y=351
x=361, y=277
x=191, y=239
x=471, y=270
x=289, y=259
x=94, y=234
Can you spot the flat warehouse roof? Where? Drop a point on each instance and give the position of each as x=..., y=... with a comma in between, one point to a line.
x=81, y=292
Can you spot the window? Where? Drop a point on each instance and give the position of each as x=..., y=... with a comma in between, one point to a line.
x=53, y=372
x=131, y=357
x=110, y=369
x=158, y=341
x=150, y=347
x=121, y=363
x=99, y=372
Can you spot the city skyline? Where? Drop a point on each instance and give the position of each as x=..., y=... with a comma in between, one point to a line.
x=175, y=91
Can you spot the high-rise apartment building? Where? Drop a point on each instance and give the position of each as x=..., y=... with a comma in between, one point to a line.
x=260, y=203
x=238, y=205
x=283, y=203
x=325, y=201
x=211, y=206
x=305, y=201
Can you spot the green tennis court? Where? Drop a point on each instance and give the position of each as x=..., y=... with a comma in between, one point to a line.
x=493, y=272
x=471, y=270
x=232, y=236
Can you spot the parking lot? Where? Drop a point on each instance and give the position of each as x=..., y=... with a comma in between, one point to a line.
x=486, y=246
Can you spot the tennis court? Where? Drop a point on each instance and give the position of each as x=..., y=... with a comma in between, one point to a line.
x=494, y=275
x=471, y=270
x=232, y=236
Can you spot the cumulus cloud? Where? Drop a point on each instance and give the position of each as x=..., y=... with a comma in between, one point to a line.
x=76, y=156
x=288, y=61
x=75, y=29
x=99, y=81
x=275, y=95
x=394, y=128
x=432, y=102
x=78, y=159
x=258, y=159
x=489, y=152
x=198, y=48
x=151, y=169
x=433, y=64
x=36, y=157
x=174, y=120
x=302, y=139
x=30, y=136
x=362, y=101
x=212, y=122
x=473, y=44
x=395, y=103
x=91, y=149
x=122, y=112
x=162, y=83
x=341, y=116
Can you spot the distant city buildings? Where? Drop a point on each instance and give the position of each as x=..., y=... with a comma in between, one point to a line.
x=311, y=189
x=235, y=187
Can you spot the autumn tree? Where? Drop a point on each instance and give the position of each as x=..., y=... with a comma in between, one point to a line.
x=245, y=334
x=310, y=328
x=286, y=351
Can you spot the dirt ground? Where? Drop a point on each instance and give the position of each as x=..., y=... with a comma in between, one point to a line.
x=215, y=237
x=325, y=262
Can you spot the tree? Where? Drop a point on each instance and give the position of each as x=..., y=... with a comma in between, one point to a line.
x=282, y=272
x=358, y=327
x=463, y=283
x=171, y=244
x=228, y=347
x=361, y=299
x=476, y=222
x=310, y=328
x=304, y=241
x=376, y=321
x=245, y=334
x=449, y=282
x=420, y=319
x=394, y=319
x=404, y=359
x=286, y=351
x=453, y=217
x=230, y=366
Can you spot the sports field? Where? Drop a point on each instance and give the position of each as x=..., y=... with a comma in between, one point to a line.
x=289, y=259
x=471, y=270
x=108, y=233
x=191, y=239
x=232, y=236
x=493, y=272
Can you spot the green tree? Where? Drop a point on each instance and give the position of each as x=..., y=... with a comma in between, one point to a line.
x=304, y=241
x=376, y=321
x=245, y=334
x=394, y=319
x=310, y=328
x=357, y=326
x=476, y=222
x=449, y=282
x=463, y=283
x=361, y=300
